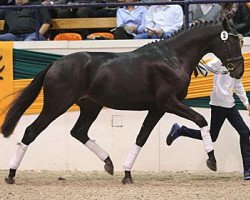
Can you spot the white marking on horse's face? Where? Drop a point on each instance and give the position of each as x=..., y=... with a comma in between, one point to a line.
x=224, y=35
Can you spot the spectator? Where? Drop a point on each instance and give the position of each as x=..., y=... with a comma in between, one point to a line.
x=206, y=12
x=222, y=108
x=242, y=19
x=162, y=21
x=130, y=21
x=21, y=23
x=228, y=10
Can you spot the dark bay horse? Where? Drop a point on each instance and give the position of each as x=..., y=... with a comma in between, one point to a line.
x=154, y=77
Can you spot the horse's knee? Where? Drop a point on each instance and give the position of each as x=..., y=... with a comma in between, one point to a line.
x=29, y=136
x=79, y=136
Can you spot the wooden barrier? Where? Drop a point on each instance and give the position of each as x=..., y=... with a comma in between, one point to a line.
x=83, y=23
x=78, y=23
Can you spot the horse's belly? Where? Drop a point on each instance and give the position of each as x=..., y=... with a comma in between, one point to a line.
x=131, y=95
x=124, y=103
x=134, y=106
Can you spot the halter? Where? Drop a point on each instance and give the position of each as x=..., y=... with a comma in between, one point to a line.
x=230, y=61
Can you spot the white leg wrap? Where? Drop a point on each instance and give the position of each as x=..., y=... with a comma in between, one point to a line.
x=96, y=149
x=133, y=153
x=17, y=158
x=207, y=141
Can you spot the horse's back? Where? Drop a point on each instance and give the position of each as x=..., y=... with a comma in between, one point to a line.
x=126, y=81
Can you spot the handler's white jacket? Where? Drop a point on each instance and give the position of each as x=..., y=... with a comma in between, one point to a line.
x=224, y=87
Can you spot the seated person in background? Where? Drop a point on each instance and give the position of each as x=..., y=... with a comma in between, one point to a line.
x=162, y=21
x=130, y=21
x=206, y=12
x=242, y=19
x=21, y=23
x=228, y=10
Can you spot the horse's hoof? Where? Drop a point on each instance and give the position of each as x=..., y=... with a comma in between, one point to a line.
x=127, y=180
x=109, y=168
x=9, y=180
x=211, y=164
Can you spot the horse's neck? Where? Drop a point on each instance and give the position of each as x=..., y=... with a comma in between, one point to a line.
x=190, y=47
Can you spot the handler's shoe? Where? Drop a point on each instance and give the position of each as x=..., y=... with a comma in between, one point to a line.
x=247, y=175
x=173, y=134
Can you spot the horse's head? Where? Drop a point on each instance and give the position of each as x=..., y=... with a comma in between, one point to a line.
x=227, y=47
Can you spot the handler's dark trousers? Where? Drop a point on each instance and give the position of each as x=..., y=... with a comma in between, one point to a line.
x=218, y=116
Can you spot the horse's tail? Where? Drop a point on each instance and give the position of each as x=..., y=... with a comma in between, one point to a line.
x=25, y=98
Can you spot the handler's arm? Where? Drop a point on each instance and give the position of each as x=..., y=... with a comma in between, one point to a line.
x=215, y=64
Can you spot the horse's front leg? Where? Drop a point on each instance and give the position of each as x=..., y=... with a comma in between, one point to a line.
x=149, y=123
x=176, y=107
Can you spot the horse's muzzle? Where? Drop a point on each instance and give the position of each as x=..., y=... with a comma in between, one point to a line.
x=238, y=70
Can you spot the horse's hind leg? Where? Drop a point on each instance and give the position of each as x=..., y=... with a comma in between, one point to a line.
x=50, y=112
x=88, y=113
x=31, y=132
x=148, y=125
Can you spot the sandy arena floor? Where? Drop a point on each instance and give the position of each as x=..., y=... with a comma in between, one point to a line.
x=101, y=186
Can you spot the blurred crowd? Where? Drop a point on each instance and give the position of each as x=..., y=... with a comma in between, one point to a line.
x=133, y=22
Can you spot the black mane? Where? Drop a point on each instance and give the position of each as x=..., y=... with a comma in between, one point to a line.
x=199, y=25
